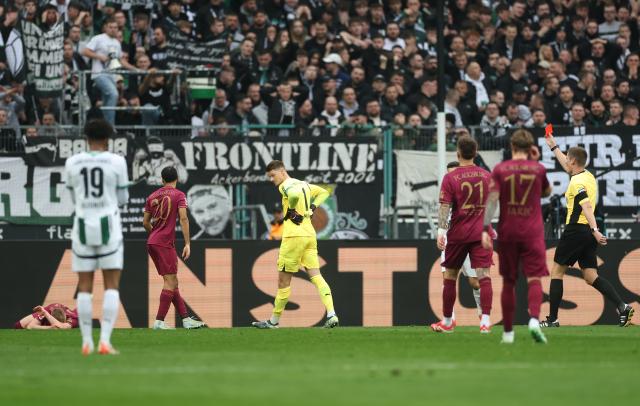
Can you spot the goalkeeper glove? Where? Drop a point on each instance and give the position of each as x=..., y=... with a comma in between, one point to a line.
x=294, y=217
x=313, y=209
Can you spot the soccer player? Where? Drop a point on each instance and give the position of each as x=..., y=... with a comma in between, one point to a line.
x=98, y=181
x=299, y=248
x=463, y=194
x=466, y=269
x=580, y=239
x=518, y=185
x=55, y=315
x=160, y=213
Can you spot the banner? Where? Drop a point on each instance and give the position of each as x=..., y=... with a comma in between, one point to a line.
x=128, y=4
x=185, y=52
x=231, y=284
x=13, y=51
x=43, y=50
x=32, y=192
x=613, y=153
x=417, y=176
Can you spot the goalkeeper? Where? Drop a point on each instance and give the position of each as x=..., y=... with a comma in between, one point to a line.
x=299, y=248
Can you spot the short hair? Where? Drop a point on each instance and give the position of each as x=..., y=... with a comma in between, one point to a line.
x=579, y=154
x=521, y=140
x=467, y=147
x=273, y=165
x=169, y=174
x=59, y=314
x=453, y=164
x=98, y=129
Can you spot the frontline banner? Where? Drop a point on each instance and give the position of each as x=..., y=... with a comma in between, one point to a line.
x=231, y=284
x=32, y=192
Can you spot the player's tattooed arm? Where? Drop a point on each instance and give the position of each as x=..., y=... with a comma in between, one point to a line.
x=492, y=206
x=443, y=216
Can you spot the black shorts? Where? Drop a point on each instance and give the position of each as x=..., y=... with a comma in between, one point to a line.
x=577, y=245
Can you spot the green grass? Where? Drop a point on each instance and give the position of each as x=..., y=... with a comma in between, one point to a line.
x=347, y=366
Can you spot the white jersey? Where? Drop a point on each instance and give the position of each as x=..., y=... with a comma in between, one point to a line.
x=94, y=179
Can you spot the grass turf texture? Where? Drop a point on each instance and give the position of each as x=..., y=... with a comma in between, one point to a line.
x=350, y=366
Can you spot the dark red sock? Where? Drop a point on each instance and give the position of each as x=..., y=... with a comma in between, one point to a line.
x=178, y=302
x=166, y=296
x=448, y=297
x=486, y=295
x=18, y=326
x=535, y=298
x=508, y=300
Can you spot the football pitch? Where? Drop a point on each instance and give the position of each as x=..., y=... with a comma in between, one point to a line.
x=348, y=366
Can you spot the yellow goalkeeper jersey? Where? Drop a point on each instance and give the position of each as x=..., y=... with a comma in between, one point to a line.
x=300, y=195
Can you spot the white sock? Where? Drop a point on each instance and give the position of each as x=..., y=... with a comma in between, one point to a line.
x=448, y=320
x=274, y=319
x=109, y=314
x=476, y=297
x=534, y=323
x=85, y=317
x=485, y=321
x=331, y=314
x=453, y=314
x=508, y=334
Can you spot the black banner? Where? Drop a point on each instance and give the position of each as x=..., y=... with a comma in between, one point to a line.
x=32, y=191
x=613, y=153
x=231, y=284
x=185, y=52
x=43, y=51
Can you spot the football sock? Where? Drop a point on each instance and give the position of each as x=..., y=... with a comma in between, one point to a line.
x=448, y=298
x=178, y=303
x=166, y=296
x=508, y=300
x=109, y=314
x=609, y=292
x=325, y=294
x=555, y=297
x=85, y=317
x=535, y=298
x=282, y=297
x=476, y=297
x=485, y=320
x=486, y=295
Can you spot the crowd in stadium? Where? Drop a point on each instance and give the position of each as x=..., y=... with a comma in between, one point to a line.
x=314, y=63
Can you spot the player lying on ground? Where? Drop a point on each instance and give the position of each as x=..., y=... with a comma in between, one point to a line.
x=580, y=239
x=517, y=185
x=98, y=181
x=465, y=191
x=55, y=315
x=160, y=213
x=466, y=269
x=299, y=248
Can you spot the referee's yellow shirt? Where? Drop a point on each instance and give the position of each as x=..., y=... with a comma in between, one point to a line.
x=582, y=186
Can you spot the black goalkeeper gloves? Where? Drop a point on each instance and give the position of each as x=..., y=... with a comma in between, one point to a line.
x=313, y=209
x=294, y=217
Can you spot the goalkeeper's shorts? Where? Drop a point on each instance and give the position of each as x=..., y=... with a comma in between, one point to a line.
x=297, y=252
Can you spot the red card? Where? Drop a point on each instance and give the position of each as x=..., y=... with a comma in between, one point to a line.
x=548, y=130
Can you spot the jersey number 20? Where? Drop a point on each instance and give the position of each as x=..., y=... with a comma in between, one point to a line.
x=93, y=179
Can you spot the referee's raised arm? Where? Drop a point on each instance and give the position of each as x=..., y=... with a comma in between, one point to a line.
x=560, y=156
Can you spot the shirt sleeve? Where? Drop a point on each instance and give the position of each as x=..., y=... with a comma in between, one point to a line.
x=318, y=195
x=581, y=193
x=182, y=201
x=446, y=192
x=147, y=206
x=494, y=181
x=92, y=44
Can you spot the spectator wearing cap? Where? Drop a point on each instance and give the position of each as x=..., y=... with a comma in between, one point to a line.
x=174, y=14
x=348, y=102
x=212, y=10
x=333, y=64
x=378, y=87
x=476, y=77
x=597, y=116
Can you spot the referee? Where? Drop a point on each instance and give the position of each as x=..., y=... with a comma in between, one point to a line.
x=580, y=239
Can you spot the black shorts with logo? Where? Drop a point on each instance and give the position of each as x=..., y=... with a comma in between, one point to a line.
x=577, y=245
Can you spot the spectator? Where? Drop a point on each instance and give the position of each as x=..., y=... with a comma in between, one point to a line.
x=513, y=117
x=393, y=37
x=373, y=113
x=623, y=92
x=283, y=107
x=609, y=28
x=155, y=97
x=158, y=51
x=333, y=64
x=492, y=124
x=561, y=112
x=578, y=115
x=305, y=118
x=598, y=115
x=259, y=109
x=105, y=53
x=49, y=126
x=244, y=62
x=451, y=106
x=615, y=113
x=220, y=107
x=348, y=103
x=538, y=119
x=467, y=103
x=242, y=117
x=631, y=115
x=331, y=115
x=476, y=77
x=509, y=45
x=391, y=105
x=265, y=73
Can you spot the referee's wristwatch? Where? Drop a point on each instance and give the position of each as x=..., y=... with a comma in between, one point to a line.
x=594, y=229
